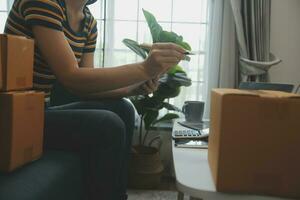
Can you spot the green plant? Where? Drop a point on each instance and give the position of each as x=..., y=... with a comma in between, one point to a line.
x=147, y=106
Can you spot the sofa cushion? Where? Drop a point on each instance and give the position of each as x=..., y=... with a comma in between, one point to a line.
x=57, y=175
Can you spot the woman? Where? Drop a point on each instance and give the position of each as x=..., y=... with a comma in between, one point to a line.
x=100, y=130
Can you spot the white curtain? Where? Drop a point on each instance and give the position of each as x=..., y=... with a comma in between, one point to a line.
x=221, y=68
x=252, y=18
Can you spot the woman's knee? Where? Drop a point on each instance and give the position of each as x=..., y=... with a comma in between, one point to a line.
x=110, y=129
x=128, y=108
x=128, y=116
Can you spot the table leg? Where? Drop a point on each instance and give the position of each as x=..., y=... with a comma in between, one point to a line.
x=180, y=196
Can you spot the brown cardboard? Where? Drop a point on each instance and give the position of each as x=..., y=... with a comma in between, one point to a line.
x=254, y=142
x=16, y=62
x=21, y=128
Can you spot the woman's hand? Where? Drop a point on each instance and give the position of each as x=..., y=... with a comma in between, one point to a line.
x=147, y=87
x=162, y=57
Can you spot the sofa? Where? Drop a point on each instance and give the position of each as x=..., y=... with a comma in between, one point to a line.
x=56, y=175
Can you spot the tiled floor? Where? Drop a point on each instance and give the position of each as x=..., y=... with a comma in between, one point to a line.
x=165, y=191
x=167, y=183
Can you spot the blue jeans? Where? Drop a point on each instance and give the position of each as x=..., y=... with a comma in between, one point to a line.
x=101, y=133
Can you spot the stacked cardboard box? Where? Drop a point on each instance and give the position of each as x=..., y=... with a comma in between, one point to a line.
x=21, y=110
x=254, y=142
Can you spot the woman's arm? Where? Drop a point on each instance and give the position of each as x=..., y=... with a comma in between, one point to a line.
x=85, y=80
x=147, y=87
x=87, y=60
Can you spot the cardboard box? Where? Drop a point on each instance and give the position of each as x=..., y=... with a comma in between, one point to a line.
x=254, y=142
x=16, y=62
x=21, y=128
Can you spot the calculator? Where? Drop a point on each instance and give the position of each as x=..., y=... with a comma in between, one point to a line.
x=191, y=134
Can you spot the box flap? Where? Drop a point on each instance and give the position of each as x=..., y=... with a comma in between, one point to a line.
x=22, y=92
x=227, y=91
x=257, y=93
x=278, y=94
x=6, y=36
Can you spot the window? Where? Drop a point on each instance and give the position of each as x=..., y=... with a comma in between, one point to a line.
x=119, y=19
x=124, y=19
x=3, y=13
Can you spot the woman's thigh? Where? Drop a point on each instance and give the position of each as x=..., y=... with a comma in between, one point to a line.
x=120, y=107
x=62, y=99
x=74, y=129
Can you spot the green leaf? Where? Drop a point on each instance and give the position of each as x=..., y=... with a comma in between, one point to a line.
x=176, y=80
x=180, y=79
x=167, y=117
x=185, y=45
x=166, y=36
x=137, y=102
x=154, y=27
x=151, y=102
x=179, y=39
x=165, y=91
x=134, y=46
x=175, y=69
x=170, y=107
x=150, y=117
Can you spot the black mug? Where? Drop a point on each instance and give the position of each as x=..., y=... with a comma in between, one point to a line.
x=193, y=111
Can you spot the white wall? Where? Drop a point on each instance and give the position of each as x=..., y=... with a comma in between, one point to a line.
x=285, y=40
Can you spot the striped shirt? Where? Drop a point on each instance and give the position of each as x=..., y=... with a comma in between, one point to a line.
x=51, y=14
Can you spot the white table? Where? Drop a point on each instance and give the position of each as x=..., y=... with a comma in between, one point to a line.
x=193, y=176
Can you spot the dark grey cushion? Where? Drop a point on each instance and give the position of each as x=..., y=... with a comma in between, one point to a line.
x=56, y=176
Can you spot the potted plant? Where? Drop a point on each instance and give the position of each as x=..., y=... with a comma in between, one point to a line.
x=146, y=167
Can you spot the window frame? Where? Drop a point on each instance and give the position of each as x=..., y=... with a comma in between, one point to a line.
x=107, y=16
